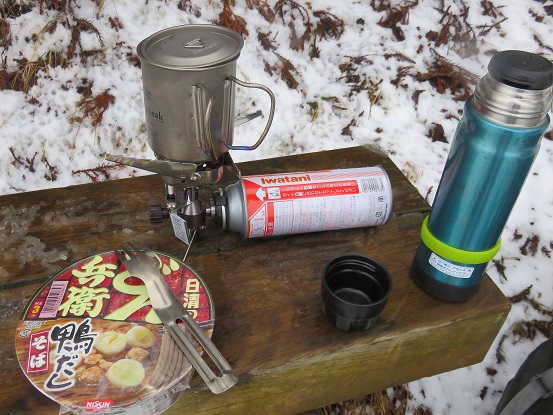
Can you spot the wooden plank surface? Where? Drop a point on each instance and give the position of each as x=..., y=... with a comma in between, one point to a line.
x=45, y=229
x=266, y=291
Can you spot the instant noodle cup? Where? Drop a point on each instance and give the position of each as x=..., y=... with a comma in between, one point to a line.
x=90, y=340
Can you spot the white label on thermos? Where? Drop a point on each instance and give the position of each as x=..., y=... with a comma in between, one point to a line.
x=457, y=271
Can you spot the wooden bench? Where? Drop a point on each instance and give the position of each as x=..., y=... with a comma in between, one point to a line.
x=269, y=323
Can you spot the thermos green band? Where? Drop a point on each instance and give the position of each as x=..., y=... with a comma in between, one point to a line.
x=455, y=254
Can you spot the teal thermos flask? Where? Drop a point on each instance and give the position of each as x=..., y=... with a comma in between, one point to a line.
x=492, y=152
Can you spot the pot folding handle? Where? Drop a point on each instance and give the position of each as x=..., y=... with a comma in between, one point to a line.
x=207, y=125
x=199, y=106
x=271, y=113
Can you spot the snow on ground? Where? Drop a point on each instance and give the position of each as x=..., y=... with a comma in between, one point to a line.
x=385, y=73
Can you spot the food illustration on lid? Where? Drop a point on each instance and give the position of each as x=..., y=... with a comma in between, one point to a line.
x=89, y=338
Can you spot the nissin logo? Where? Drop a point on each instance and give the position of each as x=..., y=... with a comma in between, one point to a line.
x=97, y=404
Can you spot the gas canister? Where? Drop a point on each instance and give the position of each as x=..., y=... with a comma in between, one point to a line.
x=302, y=202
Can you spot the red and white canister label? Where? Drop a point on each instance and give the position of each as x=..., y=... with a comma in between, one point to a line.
x=282, y=204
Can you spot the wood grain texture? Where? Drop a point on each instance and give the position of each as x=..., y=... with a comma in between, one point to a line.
x=45, y=230
x=269, y=323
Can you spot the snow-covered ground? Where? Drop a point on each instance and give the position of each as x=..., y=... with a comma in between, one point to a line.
x=345, y=73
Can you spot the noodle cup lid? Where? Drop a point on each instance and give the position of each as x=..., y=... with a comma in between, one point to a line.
x=89, y=338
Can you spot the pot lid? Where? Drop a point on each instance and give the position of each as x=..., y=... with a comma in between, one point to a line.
x=191, y=47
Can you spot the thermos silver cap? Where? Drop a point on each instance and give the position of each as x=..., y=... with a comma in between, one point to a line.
x=191, y=47
x=517, y=91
